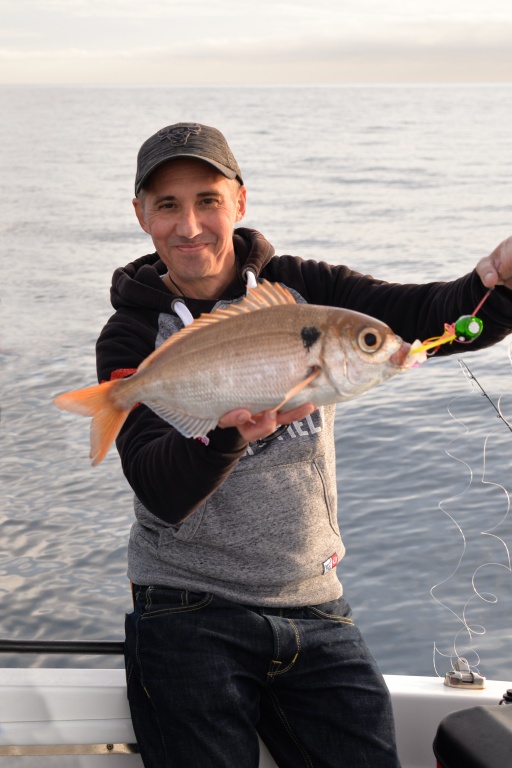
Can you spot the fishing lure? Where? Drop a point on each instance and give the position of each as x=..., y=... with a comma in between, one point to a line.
x=465, y=330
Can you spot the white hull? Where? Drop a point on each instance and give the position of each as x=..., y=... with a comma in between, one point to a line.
x=44, y=707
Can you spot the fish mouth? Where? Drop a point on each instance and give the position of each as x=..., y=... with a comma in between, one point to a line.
x=403, y=357
x=399, y=358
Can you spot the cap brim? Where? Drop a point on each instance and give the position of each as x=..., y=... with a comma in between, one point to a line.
x=229, y=173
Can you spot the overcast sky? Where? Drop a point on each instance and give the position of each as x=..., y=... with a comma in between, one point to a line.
x=254, y=41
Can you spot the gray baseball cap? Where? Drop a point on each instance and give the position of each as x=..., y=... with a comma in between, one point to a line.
x=185, y=140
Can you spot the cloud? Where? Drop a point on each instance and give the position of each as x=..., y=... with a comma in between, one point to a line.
x=254, y=41
x=322, y=63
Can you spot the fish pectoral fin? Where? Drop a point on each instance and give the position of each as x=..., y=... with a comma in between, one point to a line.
x=188, y=426
x=297, y=388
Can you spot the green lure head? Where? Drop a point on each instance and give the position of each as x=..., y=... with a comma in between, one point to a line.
x=468, y=327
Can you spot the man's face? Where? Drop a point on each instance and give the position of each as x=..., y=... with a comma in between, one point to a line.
x=190, y=210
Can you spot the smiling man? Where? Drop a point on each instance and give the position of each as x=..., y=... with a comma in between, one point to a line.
x=189, y=209
x=239, y=625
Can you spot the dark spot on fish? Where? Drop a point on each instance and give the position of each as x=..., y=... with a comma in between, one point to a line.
x=310, y=335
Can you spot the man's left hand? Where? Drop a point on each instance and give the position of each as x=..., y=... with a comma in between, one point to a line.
x=257, y=426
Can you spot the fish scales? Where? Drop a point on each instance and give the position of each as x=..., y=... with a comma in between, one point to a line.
x=251, y=360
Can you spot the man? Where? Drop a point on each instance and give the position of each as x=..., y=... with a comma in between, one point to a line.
x=239, y=625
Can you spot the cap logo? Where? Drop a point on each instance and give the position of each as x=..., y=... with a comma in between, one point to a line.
x=178, y=135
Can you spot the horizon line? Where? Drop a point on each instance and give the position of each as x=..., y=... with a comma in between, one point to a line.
x=351, y=84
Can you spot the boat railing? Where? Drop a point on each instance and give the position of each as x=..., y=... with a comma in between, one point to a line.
x=81, y=647
x=94, y=647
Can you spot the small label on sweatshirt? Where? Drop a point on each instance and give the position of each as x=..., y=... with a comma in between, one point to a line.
x=330, y=563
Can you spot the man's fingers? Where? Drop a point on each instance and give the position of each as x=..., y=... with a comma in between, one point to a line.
x=296, y=415
x=496, y=269
x=256, y=426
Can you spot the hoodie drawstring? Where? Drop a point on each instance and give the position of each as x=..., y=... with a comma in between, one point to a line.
x=183, y=312
x=185, y=315
x=250, y=279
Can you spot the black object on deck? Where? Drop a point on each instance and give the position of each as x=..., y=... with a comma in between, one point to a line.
x=477, y=737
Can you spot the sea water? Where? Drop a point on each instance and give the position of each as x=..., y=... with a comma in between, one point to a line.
x=410, y=184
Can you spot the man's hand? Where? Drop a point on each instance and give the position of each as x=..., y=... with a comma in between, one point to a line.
x=496, y=269
x=255, y=427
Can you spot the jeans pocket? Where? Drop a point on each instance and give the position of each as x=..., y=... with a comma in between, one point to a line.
x=335, y=610
x=160, y=601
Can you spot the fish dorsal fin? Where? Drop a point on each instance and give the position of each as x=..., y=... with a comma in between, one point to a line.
x=263, y=296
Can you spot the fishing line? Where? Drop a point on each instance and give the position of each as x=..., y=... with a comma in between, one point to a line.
x=468, y=629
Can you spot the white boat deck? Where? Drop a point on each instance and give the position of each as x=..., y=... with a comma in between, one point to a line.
x=42, y=706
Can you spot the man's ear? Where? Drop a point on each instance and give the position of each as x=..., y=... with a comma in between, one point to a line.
x=139, y=212
x=241, y=203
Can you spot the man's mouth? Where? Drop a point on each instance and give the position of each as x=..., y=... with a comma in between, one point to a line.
x=191, y=246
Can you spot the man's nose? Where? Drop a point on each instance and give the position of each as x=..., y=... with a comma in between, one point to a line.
x=188, y=225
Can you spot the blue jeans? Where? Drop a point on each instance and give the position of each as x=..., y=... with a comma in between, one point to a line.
x=205, y=675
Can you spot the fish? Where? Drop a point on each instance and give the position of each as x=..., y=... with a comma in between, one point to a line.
x=265, y=352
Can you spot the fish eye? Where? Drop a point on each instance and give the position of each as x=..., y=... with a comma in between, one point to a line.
x=369, y=339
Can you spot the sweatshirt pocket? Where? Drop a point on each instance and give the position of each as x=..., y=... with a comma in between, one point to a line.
x=329, y=491
x=263, y=527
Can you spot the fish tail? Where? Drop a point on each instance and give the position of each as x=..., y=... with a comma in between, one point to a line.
x=107, y=419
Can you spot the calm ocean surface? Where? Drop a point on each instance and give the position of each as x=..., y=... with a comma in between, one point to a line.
x=409, y=184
